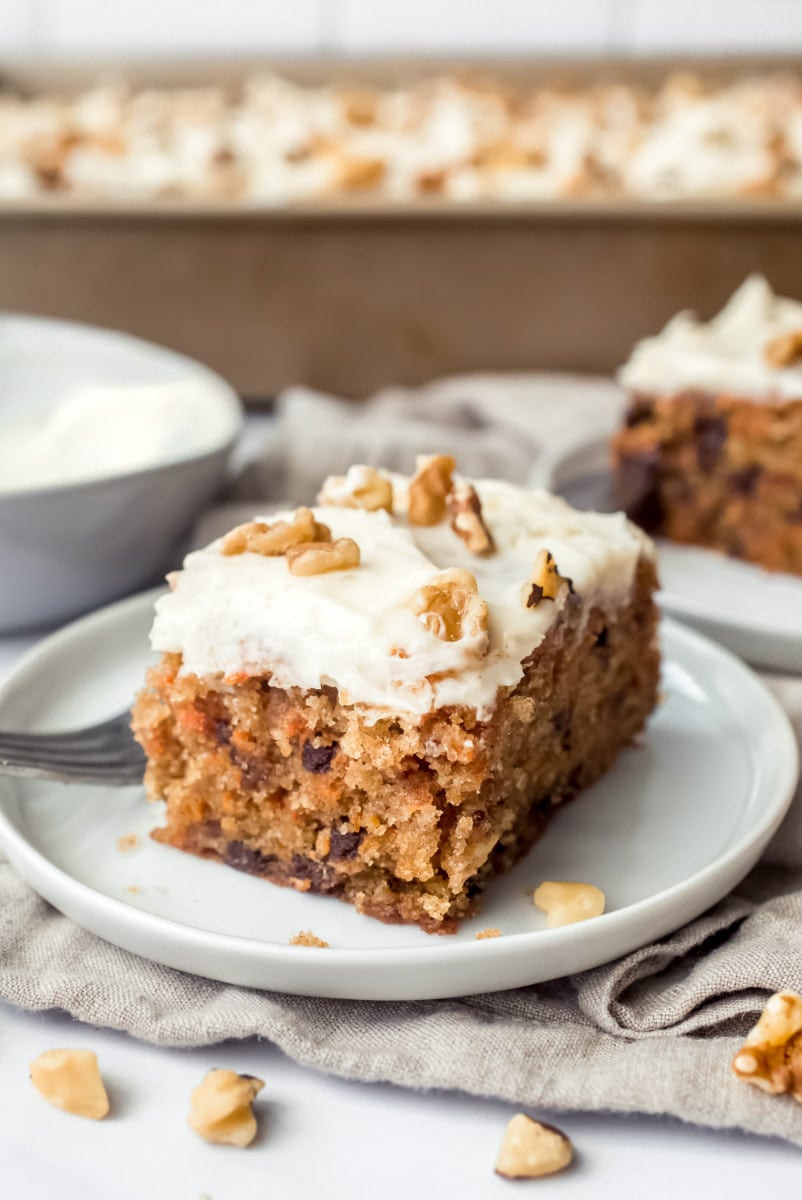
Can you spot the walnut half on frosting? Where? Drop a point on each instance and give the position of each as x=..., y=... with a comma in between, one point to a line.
x=360, y=487
x=429, y=489
x=450, y=606
x=545, y=582
x=467, y=520
x=274, y=538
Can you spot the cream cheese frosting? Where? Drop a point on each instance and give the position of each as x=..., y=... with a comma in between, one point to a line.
x=722, y=355
x=356, y=629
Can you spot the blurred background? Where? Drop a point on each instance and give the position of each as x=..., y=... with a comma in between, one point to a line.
x=597, y=27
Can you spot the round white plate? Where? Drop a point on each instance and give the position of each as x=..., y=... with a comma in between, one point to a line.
x=669, y=830
x=755, y=613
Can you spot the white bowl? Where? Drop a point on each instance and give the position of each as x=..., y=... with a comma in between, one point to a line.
x=67, y=547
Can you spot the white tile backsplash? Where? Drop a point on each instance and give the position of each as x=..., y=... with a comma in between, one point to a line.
x=707, y=26
x=70, y=28
x=498, y=26
x=144, y=27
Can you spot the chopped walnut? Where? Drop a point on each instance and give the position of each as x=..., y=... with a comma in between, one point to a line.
x=360, y=487
x=220, y=1107
x=307, y=938
x=567, y=903
x=785, y=349
x=771, y=1056
x=258, y=537
x=316, y=558
x=546, y=582
x=531, y=1149
x=429, y=488
x=70, y=1079
x=487, y=933
x=467, y=521
x=451, y=607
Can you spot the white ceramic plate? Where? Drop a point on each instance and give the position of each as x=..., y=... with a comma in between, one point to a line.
x=671, y=828
x=755, y=613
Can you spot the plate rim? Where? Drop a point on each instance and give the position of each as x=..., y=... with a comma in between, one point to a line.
x=543, y=476
x=47, y=878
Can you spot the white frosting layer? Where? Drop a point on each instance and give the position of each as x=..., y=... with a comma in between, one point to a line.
x=724, y=355
x=247, y=613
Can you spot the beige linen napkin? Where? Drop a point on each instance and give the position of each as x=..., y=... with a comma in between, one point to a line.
x=653, y=1033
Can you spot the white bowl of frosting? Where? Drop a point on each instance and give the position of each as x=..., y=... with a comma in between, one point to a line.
x=109, y=448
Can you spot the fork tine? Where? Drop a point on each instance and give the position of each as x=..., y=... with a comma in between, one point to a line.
x=95, y=735
x=131, y=769
x=129, y=756
x=43, y=747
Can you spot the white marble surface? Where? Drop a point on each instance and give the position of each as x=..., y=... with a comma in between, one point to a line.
x=324, y=1136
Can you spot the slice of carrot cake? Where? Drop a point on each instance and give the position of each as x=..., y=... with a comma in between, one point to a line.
x=711, y=451
x=384, y=698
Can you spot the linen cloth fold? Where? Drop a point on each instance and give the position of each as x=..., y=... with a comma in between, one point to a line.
x=654, y=1032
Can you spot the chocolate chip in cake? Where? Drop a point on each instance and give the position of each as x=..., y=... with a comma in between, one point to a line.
x=640, y=410
x=744, y=481
x=317, y=759
x=710, y=434
x=602, y=638
x=254, y=770
x=244, y=858
x=222, y=732
x=345, y=845
x=321, y=878
x=638, y=489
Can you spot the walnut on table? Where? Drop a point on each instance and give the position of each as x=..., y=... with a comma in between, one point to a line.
x=71, y=1080
x=771, y=1056
x=221, y=1107
x=531, y=1149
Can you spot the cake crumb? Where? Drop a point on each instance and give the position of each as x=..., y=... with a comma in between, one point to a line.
x=133, y=889
x=487, y=933
x=307, y=938
x=127, y=842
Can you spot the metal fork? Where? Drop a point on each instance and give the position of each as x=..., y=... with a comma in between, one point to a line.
x=101, y=754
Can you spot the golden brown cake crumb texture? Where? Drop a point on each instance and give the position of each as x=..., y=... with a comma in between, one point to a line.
x=409, y=817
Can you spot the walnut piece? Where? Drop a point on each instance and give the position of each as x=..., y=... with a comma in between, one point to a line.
x=70, y=1079
x=451, y=607
x=220, y=1107
x=784, y=350
x=360, y=487
x=771, y=1056
x=271, y=540
x=487, y=933
x=567, y=903
x=316, y=558
x=530, y=1149
x=467, y=521
x=307, y=938
x=546, y=582
x=429, y=488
